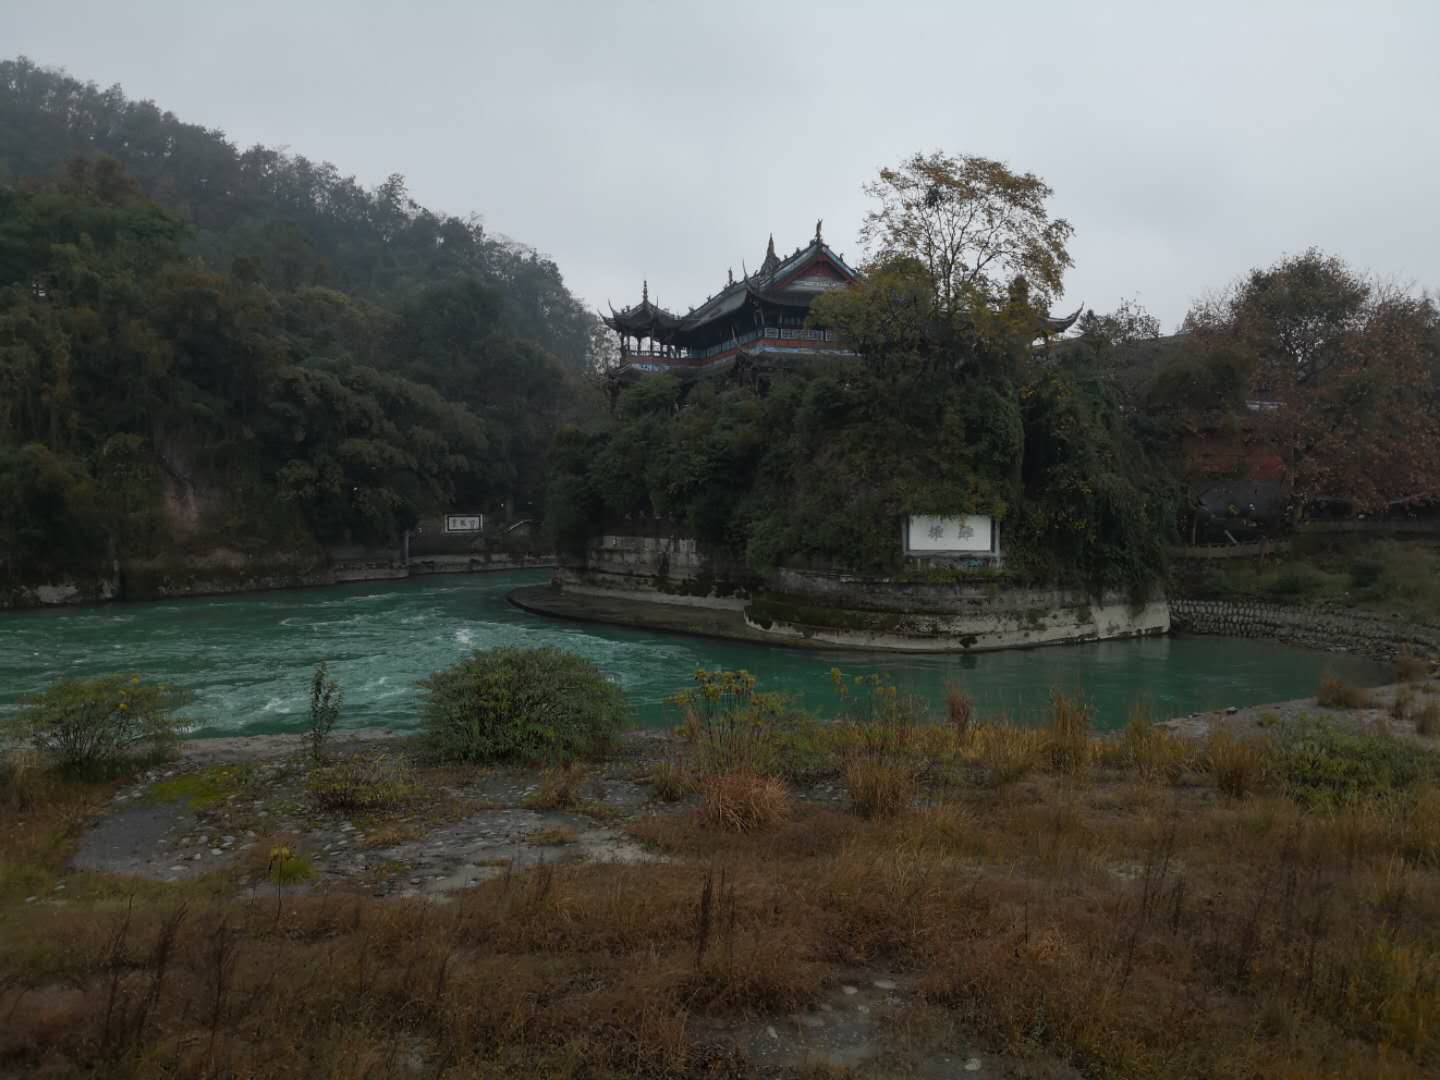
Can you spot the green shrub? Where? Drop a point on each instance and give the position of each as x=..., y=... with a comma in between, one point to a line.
x=93, y=727
x=521, y=704
x=325, y=700
x=1365, y=571
x=362, y=782
x=1320, y=765
x=1296, y=580
x=729, y=725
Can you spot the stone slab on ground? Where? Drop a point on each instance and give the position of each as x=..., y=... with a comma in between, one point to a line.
x=143, y=841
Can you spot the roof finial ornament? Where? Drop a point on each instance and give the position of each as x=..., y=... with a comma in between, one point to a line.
x=818, y=223
x=645, y=292
x=772, y=261
x=730, y=276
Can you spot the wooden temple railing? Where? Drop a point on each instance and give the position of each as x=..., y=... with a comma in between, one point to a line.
x=769, y=333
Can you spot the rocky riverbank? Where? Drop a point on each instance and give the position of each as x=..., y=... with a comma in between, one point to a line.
x=1327, y=628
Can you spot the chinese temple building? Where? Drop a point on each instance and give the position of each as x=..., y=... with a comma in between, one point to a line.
x=760, y=316
x=759, y=319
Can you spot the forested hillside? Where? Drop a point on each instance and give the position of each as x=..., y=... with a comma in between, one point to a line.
x=279, y=218
x=202, y=346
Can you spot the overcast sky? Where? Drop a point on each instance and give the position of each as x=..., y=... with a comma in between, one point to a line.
x=1186, y=142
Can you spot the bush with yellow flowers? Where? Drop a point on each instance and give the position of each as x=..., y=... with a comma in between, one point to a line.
x=94, y=727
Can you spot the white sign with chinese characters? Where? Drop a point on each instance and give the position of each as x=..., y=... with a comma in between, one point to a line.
x=464, y=523
x=967, y=533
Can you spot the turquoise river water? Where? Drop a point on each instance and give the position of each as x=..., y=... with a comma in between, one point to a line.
x=248, y=658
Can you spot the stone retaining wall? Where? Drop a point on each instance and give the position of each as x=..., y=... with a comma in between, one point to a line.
x=1329, y=629
x=659, y=570
x=839, y=608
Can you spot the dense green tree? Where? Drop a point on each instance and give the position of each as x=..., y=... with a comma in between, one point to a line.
x=129, y=369
x=269, y=216
x=196, y=339
x=938, y=415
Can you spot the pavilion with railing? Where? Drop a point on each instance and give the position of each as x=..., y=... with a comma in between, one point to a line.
x=761, y=313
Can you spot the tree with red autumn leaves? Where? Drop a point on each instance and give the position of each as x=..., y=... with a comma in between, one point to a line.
x=1344, y=374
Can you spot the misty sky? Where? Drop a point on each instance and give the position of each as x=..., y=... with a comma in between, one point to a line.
x=1186, y=142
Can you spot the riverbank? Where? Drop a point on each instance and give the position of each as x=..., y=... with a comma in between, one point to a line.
x=599, y=920
x=229, y=573
x=248, y=658
x=1322, y=628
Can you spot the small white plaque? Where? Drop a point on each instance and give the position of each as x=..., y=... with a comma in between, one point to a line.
x=970, y=533
x=464, y=523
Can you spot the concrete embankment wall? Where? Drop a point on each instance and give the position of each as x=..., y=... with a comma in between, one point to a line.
x=1326, y=628
x=659, y=569
x=840, y=608
x=890, y=613
x=219, y=573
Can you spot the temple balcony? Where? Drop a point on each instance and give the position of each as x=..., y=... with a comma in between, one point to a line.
x=777, y=334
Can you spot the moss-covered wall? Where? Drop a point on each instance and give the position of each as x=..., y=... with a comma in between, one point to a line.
x=950, y=612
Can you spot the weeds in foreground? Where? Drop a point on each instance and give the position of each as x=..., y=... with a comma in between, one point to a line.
x=21, y=779
x=1237, y=765
x=1068, y=746
x=1427, y=720
x=1158, y=755
x=326, y=698
x=1403, y=704
x=672, y=780
x=882, y=731
x=1335, y=693
x=880, y=788
x=367, y=781
x=1410, y=668
x=743, y=802
x=553, y=836
x=728, y=723
x=959, y=708
x=562, y=787
x=1007, y=753
x=1220, y=938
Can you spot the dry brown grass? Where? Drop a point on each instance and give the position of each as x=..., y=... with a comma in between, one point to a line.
x=743, y=801
x=1006, y=753
x=1427, y=720
x=1335, y=693
x=672, y=780
x=1078, y=918
x=880, y=788
x=1403, y=704
x=1237, y=765
x=561, y=788
x=1158, y=755
x=22, y=779
x=1410, y=668
x=553, y=836
x=1069, y=749
x=959, y=707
